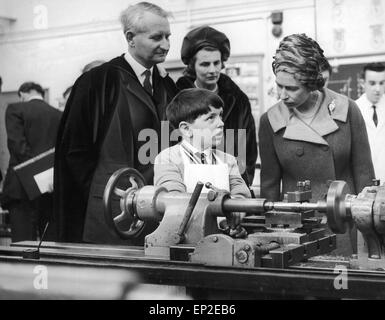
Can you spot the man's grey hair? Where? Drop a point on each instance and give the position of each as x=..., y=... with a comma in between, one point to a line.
x=130, y=17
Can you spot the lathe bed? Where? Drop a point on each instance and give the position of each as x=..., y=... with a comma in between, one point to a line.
x=315, y=278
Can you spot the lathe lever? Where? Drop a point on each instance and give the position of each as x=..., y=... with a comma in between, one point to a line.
x=190, y=208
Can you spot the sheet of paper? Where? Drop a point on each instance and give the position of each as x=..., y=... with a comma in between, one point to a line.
x=44, y=180
x=218, y=175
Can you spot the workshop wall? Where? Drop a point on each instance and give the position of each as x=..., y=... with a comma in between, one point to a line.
x=51, y=41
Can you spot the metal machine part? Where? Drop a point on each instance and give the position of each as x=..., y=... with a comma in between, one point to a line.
x=368, y=213
x=314, y=278
x=290, y=231
x=122, y=185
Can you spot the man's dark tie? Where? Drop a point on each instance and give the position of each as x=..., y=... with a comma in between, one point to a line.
x=202, y=156
x=147, y=83
x=375, y=119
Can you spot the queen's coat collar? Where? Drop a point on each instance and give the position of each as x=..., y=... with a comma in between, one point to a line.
x=333, y=107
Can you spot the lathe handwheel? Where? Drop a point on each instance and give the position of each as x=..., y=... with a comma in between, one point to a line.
x=336, y=210
x=121, y=187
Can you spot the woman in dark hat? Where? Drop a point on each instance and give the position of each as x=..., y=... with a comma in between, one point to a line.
x=204, y=51
x=312, y=133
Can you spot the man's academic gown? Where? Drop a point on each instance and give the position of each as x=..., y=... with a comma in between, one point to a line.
x=98, y=134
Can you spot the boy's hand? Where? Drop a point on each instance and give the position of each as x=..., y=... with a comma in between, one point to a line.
x=233, y=227
x=239, y=232
x=235, y=219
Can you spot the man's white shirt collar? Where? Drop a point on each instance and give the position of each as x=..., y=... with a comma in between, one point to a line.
x=380, y=104
x=137, y=67
x=207, y=152
x=36, y=97
x=366, y=108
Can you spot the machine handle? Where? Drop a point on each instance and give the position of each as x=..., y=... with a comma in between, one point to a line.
x=190, y=208
x=126, y=224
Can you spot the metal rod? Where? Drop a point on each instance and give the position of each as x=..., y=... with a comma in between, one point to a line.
x=190, y=207
x=42, y=236
x=296, y=206
x=253, y=206
x=244, y=205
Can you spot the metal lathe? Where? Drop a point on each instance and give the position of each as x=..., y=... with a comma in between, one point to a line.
x=277, y=249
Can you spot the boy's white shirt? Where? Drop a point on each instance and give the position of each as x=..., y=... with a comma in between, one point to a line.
x=208, y=152
x=218, y=174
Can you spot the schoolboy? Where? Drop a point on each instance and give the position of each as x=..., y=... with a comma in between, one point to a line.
x=197, y=113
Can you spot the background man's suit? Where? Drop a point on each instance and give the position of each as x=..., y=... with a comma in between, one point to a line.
x=31, y=129
x=107, y=109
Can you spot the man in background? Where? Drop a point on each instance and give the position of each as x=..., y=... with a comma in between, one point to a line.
x=31, y=127
x=92, y=65
x=372, y=106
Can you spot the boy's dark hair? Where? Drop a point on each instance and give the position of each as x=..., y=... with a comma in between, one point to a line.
x=189, y=104
x=374, y=66
x=29, y=86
